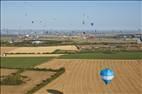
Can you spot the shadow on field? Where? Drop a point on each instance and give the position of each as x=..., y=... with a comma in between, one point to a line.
x=52, y=91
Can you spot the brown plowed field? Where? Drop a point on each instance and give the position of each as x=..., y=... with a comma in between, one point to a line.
x=82, y=77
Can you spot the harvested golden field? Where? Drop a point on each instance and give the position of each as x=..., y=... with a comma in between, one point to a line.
x=6, y=49
x=6, y=72
x=82, y=76
x=33, y=78
x=38, y=50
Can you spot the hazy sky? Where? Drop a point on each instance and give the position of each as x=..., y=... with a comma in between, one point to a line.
x=106, y=15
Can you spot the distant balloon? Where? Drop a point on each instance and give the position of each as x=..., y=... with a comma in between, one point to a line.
x=46, y=32
x=83, y=22
x=92, y=24
x=107, y=75
x=32, y=21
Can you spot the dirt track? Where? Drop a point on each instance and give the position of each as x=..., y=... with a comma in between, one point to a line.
x=82, y=77
x=32, y=55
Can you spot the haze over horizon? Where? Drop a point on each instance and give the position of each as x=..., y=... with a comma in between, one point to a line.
x=71, y=15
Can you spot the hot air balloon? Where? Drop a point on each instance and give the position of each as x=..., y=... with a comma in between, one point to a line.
x=46, y=32
x=91, y=24
x=83, y=22
x=107, y=75
x=84, y=32
x=32, y=21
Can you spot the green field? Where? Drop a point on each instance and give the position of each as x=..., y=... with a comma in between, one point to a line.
x=28, y=62
x=22, y=62
x=104, y=55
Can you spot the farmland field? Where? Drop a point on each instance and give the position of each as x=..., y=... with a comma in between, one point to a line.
x=104, y=55
x=37, y=50
x=82, y=76
x=22, y=62
x=6, y=72
x=6, y=49
x=33, y=55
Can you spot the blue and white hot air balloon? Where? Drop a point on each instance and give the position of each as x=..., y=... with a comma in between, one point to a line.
x=107, y=75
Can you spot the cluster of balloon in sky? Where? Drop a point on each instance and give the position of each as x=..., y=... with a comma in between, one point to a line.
x=84, y=22
x=107, y=75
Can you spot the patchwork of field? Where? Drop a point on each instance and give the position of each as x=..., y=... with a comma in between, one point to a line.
x=33, y=78
x=82, y=76
x=41, y=50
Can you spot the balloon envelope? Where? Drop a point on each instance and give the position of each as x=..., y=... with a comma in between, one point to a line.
x=92, y=24
x=107, y=75
x=83, y=22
